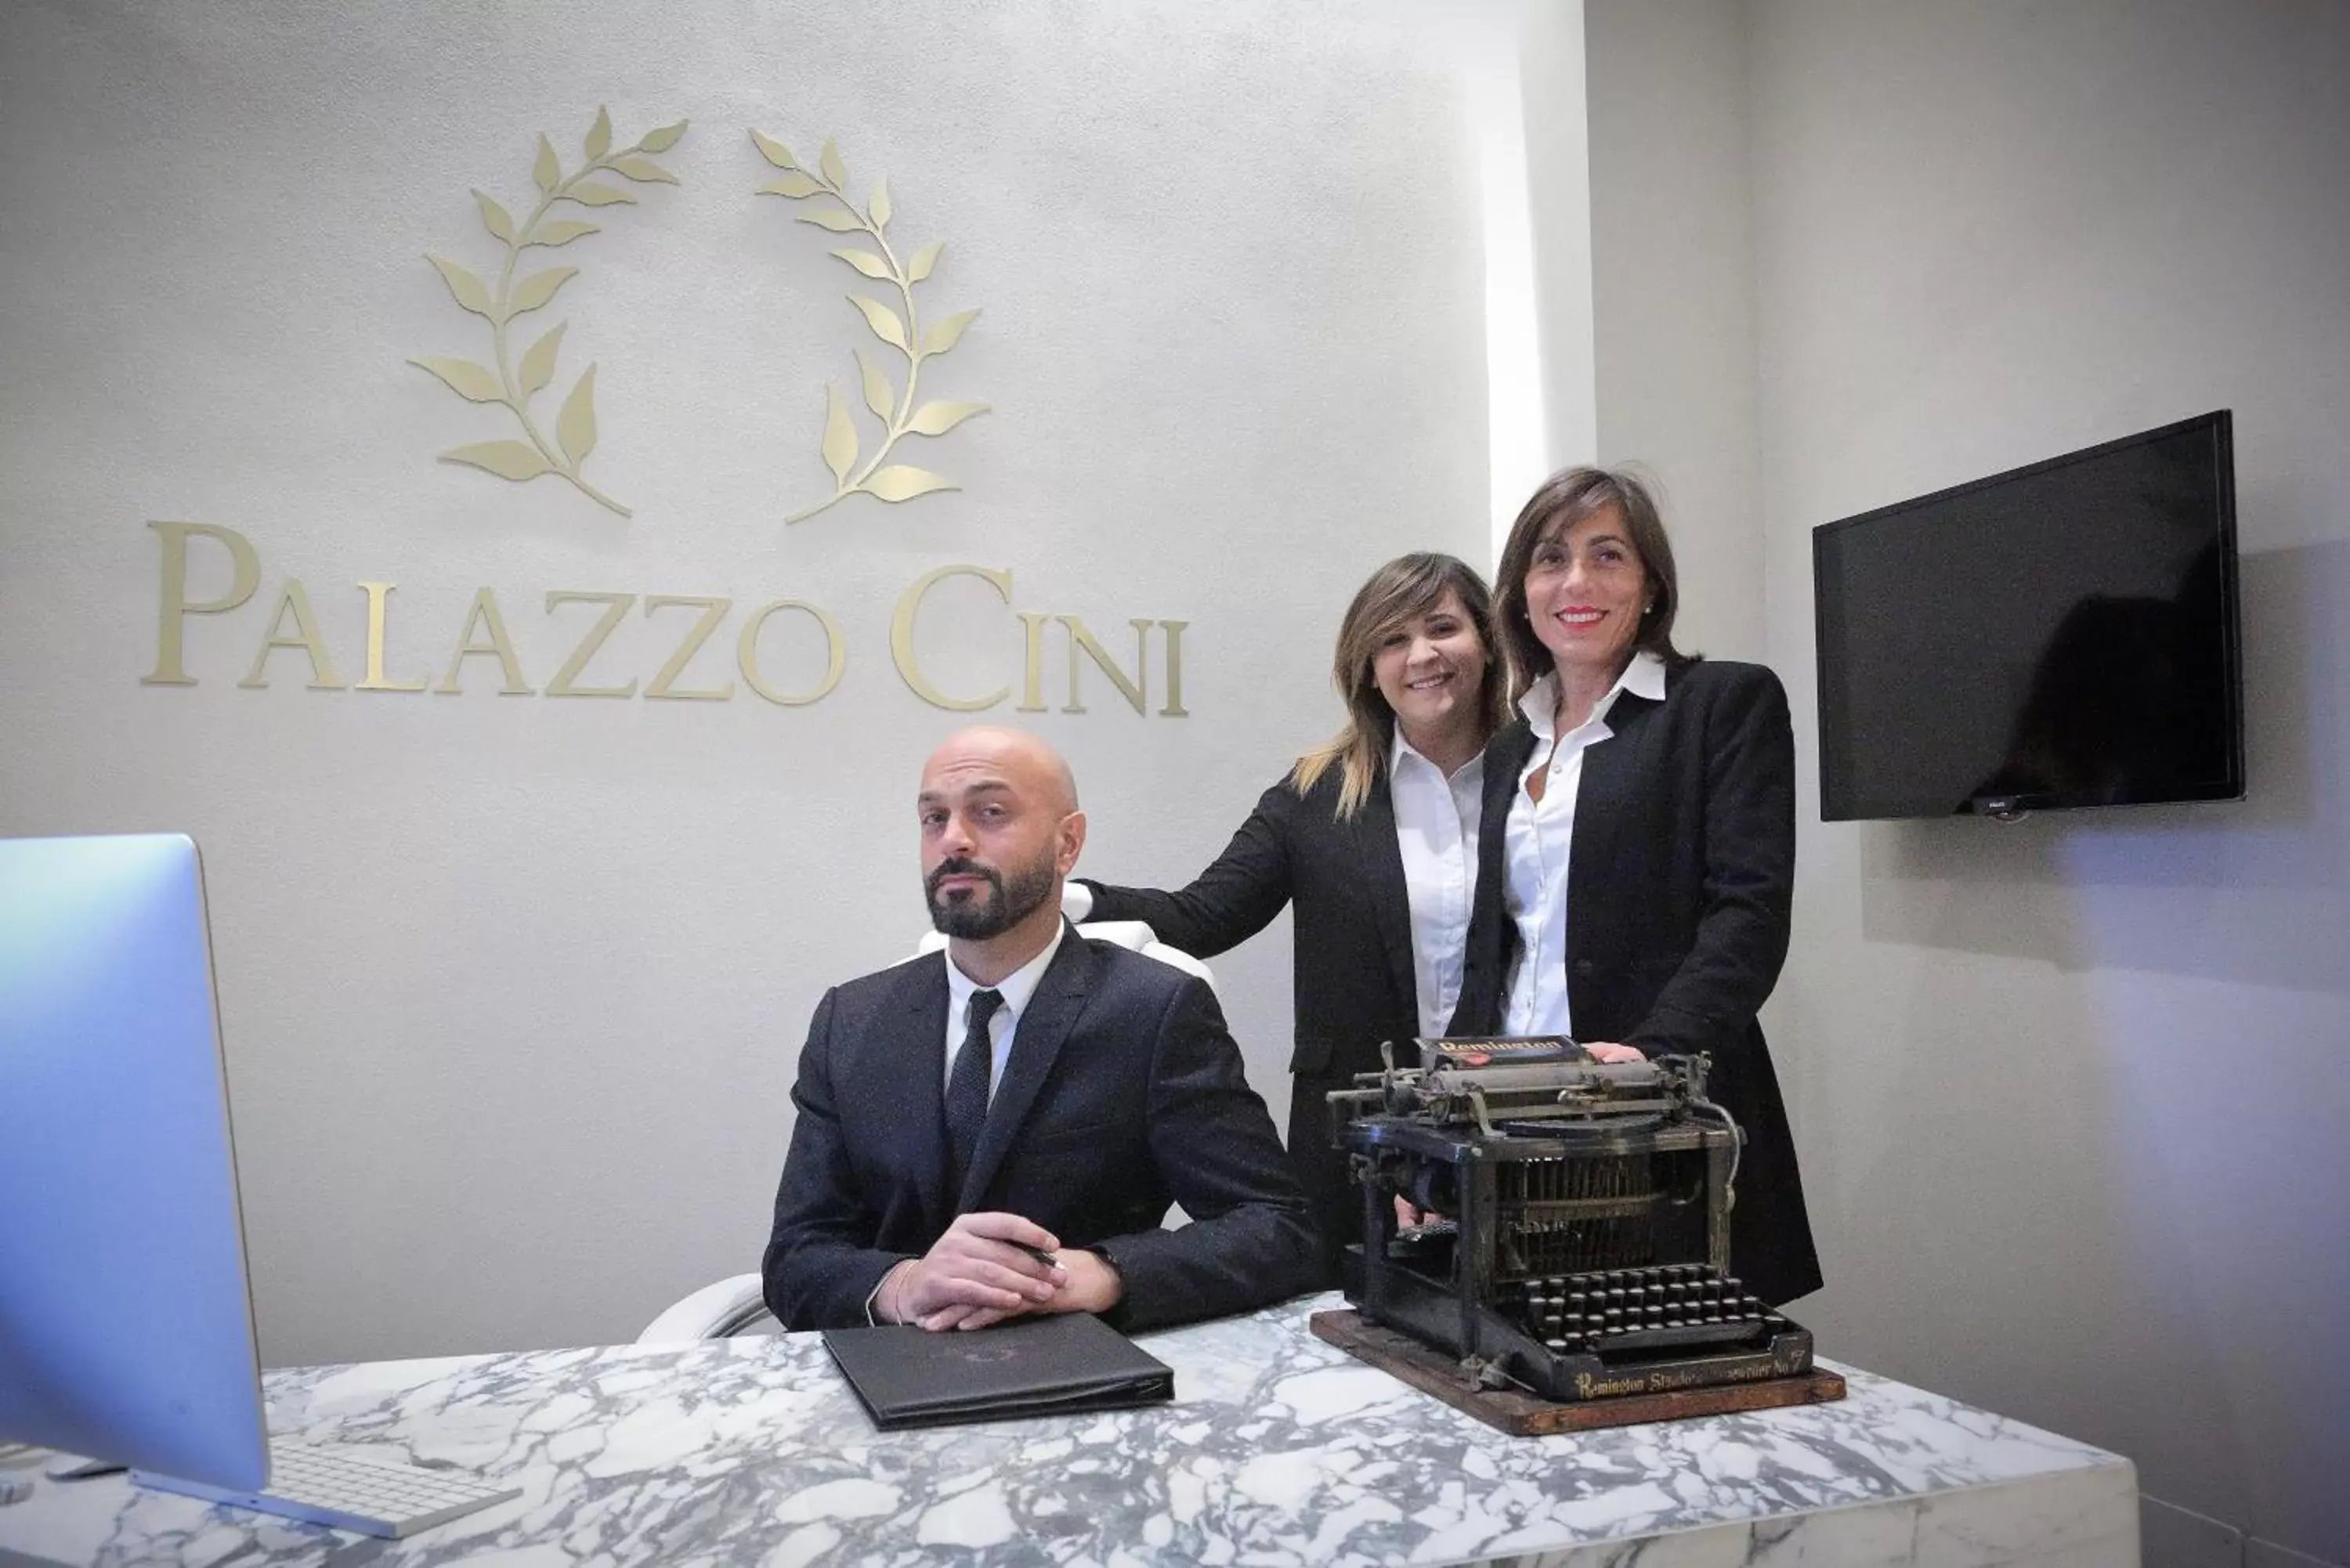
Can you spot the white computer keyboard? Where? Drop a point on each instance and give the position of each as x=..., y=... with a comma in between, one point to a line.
x=322, y=1485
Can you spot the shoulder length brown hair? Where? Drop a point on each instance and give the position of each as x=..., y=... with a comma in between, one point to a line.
x=1566, y=498
x=1401, y=591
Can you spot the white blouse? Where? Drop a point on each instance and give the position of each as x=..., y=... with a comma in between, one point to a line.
x=1436, y=831
x=1535, y=842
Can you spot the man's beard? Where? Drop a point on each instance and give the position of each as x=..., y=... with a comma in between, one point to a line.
x=976, y=917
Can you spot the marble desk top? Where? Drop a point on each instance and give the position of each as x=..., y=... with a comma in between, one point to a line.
x=1278, y=1449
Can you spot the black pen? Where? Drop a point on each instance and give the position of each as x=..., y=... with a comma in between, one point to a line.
x=1038, y=1254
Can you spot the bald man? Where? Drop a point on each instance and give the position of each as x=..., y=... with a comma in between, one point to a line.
x=1000, y=1131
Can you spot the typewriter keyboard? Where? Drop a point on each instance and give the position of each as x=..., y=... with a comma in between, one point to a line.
x=1654, y=1308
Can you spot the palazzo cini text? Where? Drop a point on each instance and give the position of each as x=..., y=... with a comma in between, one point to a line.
x=483, y=649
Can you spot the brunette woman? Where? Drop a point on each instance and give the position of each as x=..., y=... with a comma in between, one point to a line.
x=1638, y=856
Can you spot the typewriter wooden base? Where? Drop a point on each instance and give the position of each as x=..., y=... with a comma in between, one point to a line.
x=1521, y=1414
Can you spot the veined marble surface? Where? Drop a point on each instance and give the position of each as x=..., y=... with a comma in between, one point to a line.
x=1278, y=1449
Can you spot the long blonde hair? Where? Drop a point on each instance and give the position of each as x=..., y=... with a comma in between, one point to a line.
x=1401, y=591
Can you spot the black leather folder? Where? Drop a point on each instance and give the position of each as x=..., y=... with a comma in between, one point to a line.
x=1062, y=1365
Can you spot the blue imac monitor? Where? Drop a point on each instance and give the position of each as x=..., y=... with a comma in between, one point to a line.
x=126, y=1328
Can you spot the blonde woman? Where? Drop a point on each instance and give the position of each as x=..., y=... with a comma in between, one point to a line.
x=1373, y=841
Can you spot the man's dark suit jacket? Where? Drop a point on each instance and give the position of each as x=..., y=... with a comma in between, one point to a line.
x=1354, y=985
x=1123, y=1092
x=1681, y=880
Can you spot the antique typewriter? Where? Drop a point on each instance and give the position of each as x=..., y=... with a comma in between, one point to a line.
x=1584, y=1248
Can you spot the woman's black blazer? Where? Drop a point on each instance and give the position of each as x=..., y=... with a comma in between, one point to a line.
x=1354, y=983
x=1681, y=880
x=1353, y=958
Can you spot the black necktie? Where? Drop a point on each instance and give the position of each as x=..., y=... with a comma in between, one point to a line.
x=967, y=1087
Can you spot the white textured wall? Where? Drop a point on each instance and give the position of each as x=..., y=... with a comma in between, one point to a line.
x=2073, y=1091
x=1561, y=218
x=514, y=988
x=2069, y=1095
x=1672, y=261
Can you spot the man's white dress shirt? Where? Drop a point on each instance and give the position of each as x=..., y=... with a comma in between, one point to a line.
x=1017, y=989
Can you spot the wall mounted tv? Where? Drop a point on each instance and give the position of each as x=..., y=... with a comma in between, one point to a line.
x=2062, y=635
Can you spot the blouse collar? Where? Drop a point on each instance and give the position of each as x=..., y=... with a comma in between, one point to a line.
x=1643, y=677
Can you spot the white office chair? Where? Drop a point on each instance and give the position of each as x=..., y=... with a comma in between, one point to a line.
x=737, y=1304
x=1132, y=934
x=721, y=1311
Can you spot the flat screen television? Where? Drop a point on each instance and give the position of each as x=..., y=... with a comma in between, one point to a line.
x=2060, y=634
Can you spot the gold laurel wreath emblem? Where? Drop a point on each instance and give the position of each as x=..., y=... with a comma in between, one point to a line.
x=900, y=414
x=514, y=386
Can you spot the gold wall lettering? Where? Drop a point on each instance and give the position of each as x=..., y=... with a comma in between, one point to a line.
x=826, y=187
x=378, y=592
x=835, y=653
x=1082, y=639
x=713, y=612
x=295, y=601
x=902, y=637
x=499, y=303
x=244, y=567
x=1032, y=672
x=1173, y=631
x=484, y=612
x=293, y=625
x=566, y=682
